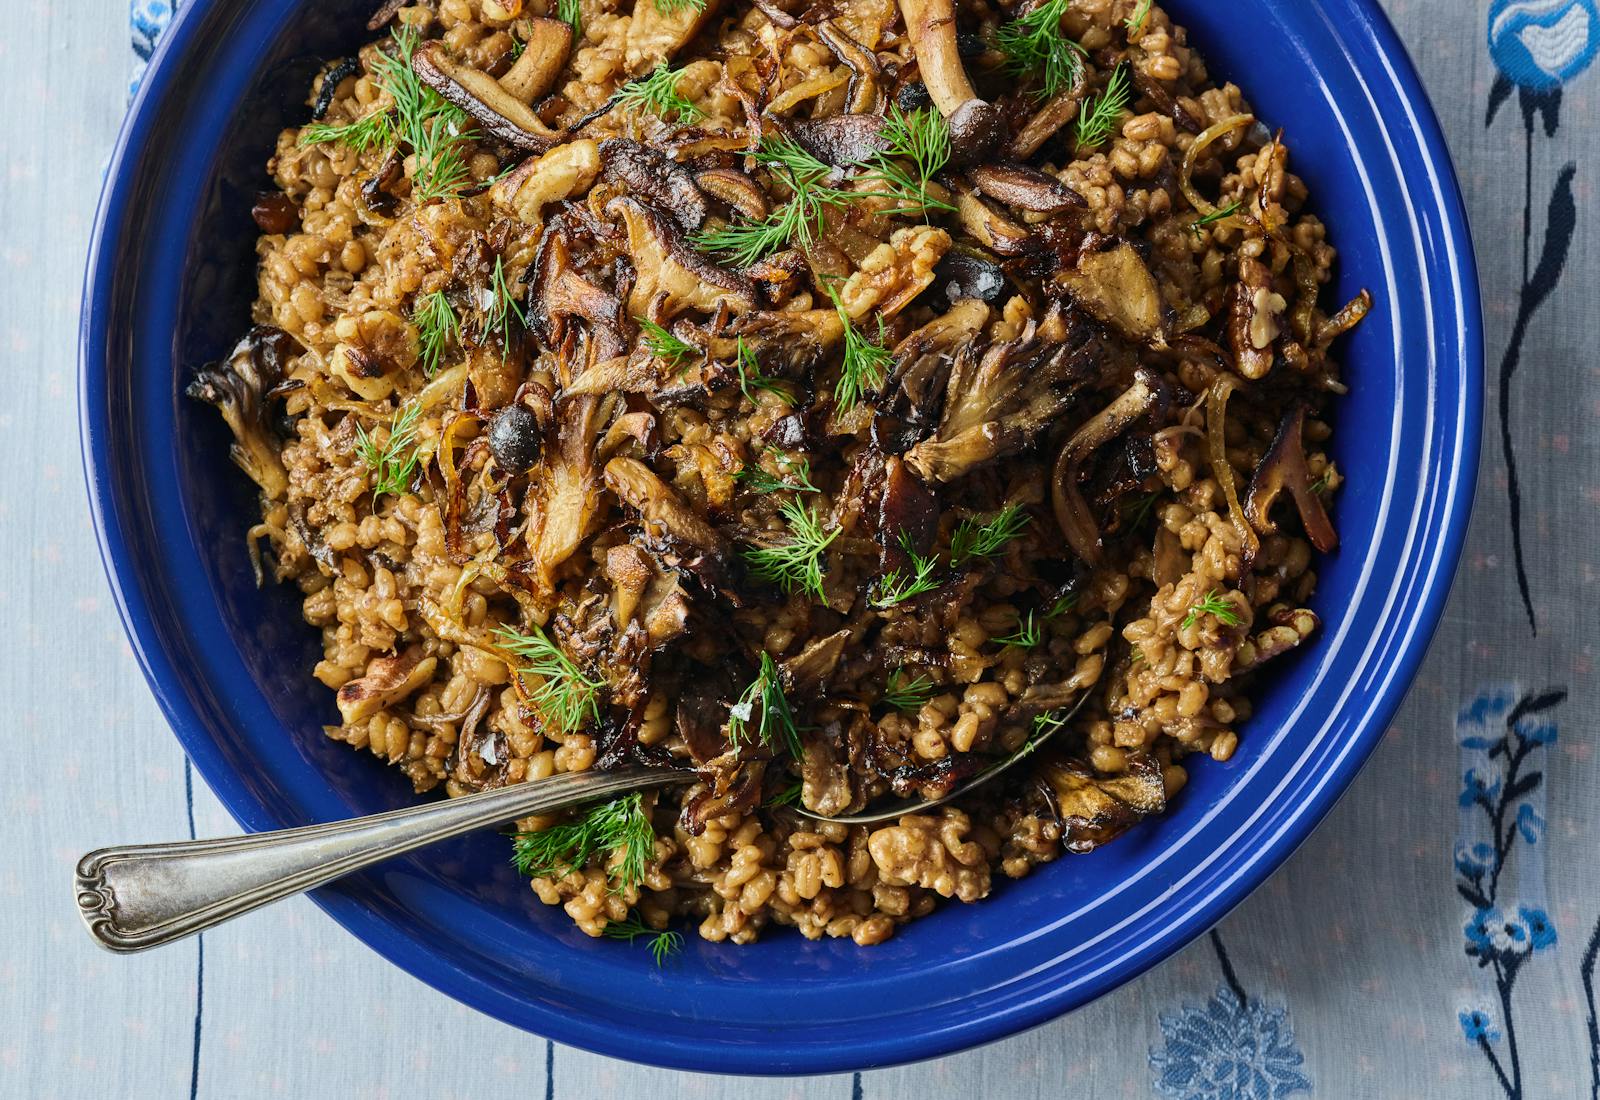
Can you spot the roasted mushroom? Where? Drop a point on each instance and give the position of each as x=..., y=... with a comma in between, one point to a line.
x=497, y=110
x=976, y=126
x=238, y=389
x=1284, y=468
x=544, y=55
x=671, y=276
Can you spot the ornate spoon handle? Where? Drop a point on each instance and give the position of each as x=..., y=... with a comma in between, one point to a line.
x=144, y=895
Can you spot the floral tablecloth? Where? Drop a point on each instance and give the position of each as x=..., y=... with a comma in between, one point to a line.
x=1437, y=937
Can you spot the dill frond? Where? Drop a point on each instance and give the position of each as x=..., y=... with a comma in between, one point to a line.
x=866, y=362
x=1035, y=45
x=897, y=586
x=662, y=944
x=1226, y=612
x=664, y=345
x=746, y=242
x=658, y=93
x=1098, y=120
x=1140, y=14
x=372, y=131
x=670, y=7
x=1062, y=606
x=789, y=796
x=906, y=695
x=571, y=14
x=437, y=326
x=619, y=828
x=1028, y=636
x=502, y=308
x=795, y=563
x=972, y=539
x=565, y=697
x=1138, y=510
x=394, y=461
x=765, y=706
x=750, y=377
x=762, y=482
x=1215, y=216
x=922, y=137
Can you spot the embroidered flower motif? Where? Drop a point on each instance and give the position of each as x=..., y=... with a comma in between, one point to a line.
x=1542, y=44
x=1541, y=930
x=1225, y=1050
x=1474, y=789
x=1474, y=860
x=1477, y=1026
x=1480, y=930
x=1529, y=823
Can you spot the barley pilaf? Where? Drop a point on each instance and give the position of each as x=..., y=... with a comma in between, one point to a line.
x=822, y=400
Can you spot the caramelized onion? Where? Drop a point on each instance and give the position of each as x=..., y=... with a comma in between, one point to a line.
x=1217, y=444
x=1201, y=144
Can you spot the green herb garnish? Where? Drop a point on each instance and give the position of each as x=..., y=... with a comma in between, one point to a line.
x=765, y=707
x=795, y=563
x=437, y=325
x=569, y=12
x=922, y=137
x=1098, y=120
x=393, y=463
x=744, y=243
x=565, y=697
x=664, y=345
x=1062, y=606
x=972, y=539
x=1322, y=483
x=789, y=796
x=750, y=377
x=372, y=131
x=1136, y=20
x=866, y=362
x=898, y=585
x=1212, y=604
x=762, y=482
x=658, y=93
x=661, y=943
x=669, y=7
x=1215, y=216
x=1136, y=511
x=502, y=308
x=1035, y=45
x=907, y=695
x=611, y=827
x=1029, y=634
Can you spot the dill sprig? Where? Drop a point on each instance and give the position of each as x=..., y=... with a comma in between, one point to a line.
x=1212, y=604
x=1215, y=216
x=394, y=461
x=972, y=539
x=662, y=944
x=898, y=585
x=907, y=695
x=1138, y=510
x=922, y=137
x=762, y=482
x=670, y=7
x=370, y=131
x=658, y=93
x=795, y=563
x=743, y=243
x=440, y=145
x=866, y=362
x=789, y=796
x=1034, y=44
x=1322, y=484
x=620, y=826
x=750, y=377
x=571, y=14
x=764, y=706
x=565, y=697
x=1136, y=20
x=1062, y=606
x=1098, y=120
x=437, y=325
x=1028, y=636
x=502, y=308
x=664, y=345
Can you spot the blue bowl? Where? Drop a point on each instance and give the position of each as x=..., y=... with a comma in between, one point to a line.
x=168, y=287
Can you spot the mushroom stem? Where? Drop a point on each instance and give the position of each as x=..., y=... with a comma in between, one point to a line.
x=976, y=127
x=543, y=57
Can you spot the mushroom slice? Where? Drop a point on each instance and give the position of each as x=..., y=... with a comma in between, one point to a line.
x=543, y=57
x=558, y=292
x=1072, y=511
x=1284, y=467
x=564, y=488
x=976, y=127
x=238, y=390
x=1097, y=809
x=387, y=681
x=1025, y=188
x=841, y=140
x=500, y=113
x=537, y=182
x=989, y=227
x=663, y=511
x=807, y=672
x=737, y=190
x=654, y=35
x=673, y=274
x=865, y=94
x=1116, y=287
x=655, y=176
x=1057, y=111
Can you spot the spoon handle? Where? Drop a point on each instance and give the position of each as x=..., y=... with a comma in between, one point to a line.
x=143, y=895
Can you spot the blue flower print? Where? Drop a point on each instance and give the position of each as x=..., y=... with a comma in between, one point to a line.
x=1475, y=790
x=1542, y=44
x=1480, y=930
x=1529, y=823
x=1541, y=930
x=1477, y=1026
x=1227, y=1050
x=1538, y=731
x=1473, y=861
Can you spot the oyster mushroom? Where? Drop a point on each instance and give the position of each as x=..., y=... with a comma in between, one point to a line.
x=989, y=227
x=1072, y=511
x=673, y=277
x=654, y=35
x=500, y=113
x=543, y=56
x=564, y=171
x=1025, y=188
x=735, y=189
x=387, y=681
x=663, y=511
x=558, y=292
x=864, y=96
x=238, y=389
x=1096, y=809
x=652, y=175
x=976, y=126
x=1284, y=467
x=1116, y=287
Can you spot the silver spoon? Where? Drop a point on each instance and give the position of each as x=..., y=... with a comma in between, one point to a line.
x=137, y=896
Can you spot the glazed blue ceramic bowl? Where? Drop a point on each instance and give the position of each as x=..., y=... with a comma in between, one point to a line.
x=169, y=283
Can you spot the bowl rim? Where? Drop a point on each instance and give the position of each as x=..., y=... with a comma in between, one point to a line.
x=1211, y=897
